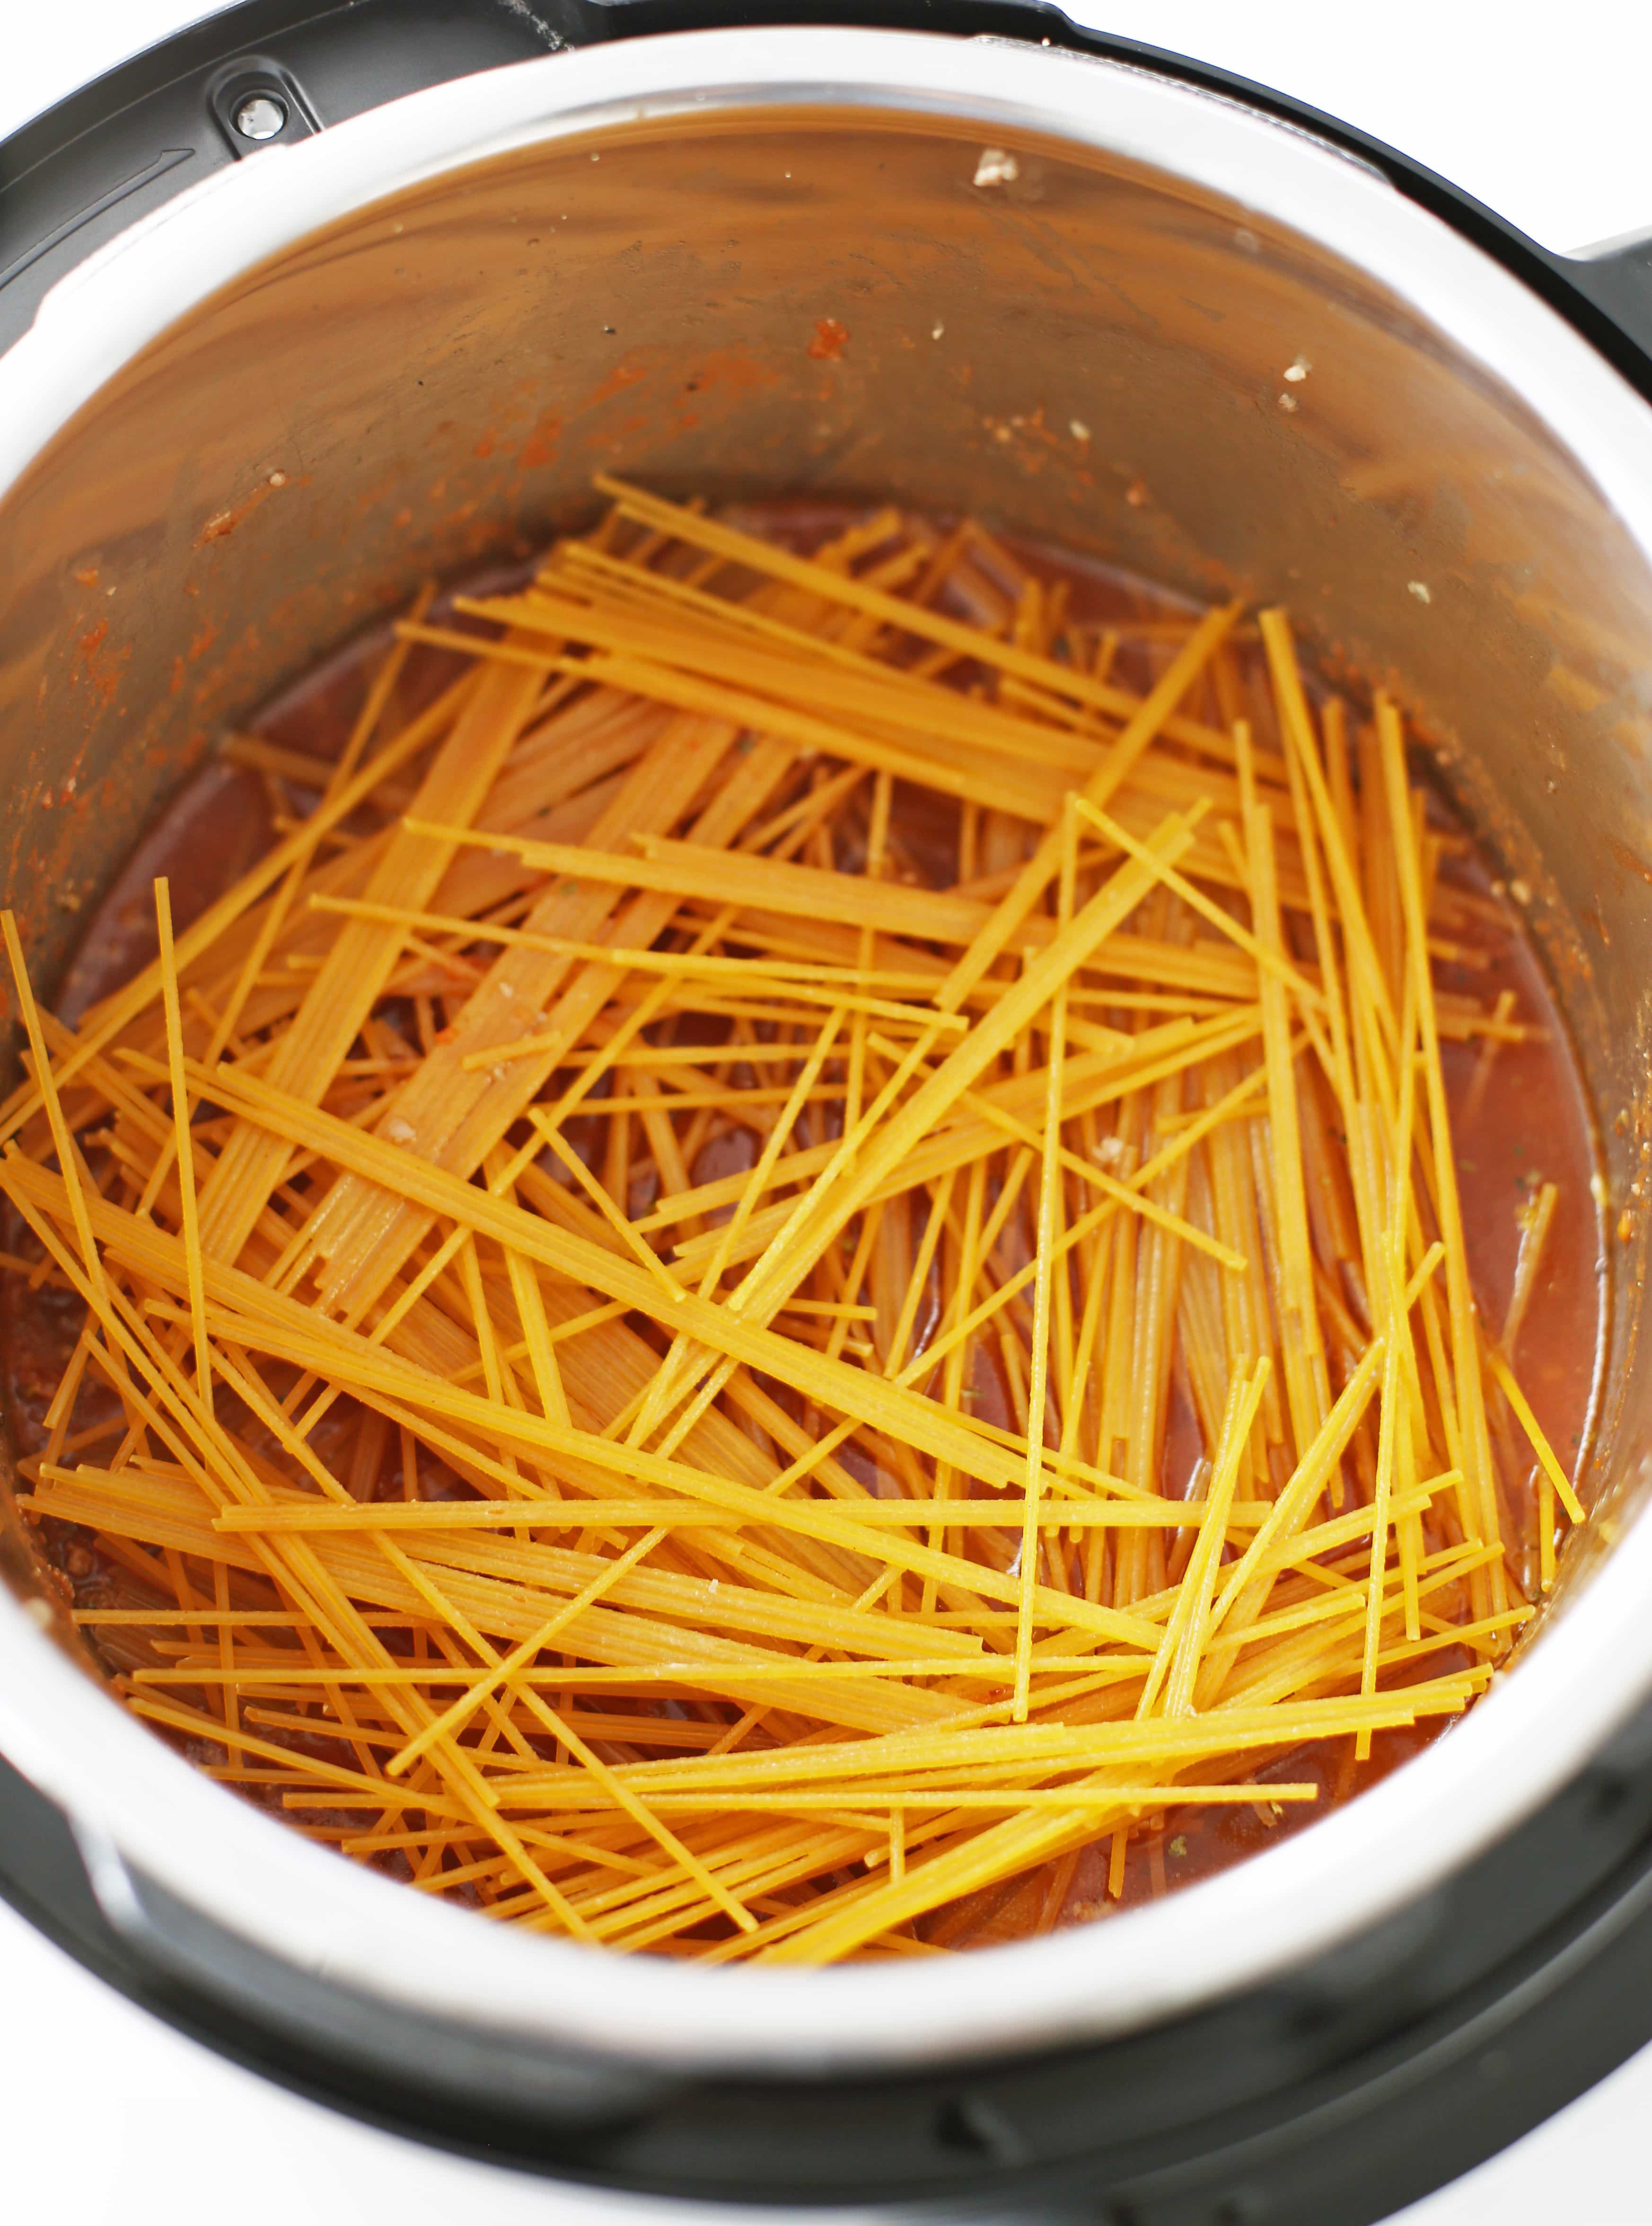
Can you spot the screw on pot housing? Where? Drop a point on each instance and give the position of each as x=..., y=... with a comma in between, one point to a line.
x=261, y=115
x=259, y=103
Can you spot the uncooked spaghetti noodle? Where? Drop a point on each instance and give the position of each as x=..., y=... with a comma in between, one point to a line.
x=641, y=1276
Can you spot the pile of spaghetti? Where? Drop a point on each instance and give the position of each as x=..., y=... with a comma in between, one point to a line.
x=639, y=1271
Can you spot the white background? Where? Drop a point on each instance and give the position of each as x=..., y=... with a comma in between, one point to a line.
x=1541, y=111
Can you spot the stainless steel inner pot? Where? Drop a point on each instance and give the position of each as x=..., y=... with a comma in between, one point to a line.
x=404, y=345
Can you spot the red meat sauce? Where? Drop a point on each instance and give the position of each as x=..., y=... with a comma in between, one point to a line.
x=1524, y=1123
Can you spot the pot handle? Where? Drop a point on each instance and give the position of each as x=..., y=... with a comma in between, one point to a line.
x=1617, y=281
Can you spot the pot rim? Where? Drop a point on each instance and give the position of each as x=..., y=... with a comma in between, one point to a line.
x=1267, y=1916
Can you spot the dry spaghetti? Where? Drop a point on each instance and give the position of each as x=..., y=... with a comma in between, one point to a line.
x=794, y=1255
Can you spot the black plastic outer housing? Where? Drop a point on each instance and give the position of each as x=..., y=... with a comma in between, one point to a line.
x=1330, y=2099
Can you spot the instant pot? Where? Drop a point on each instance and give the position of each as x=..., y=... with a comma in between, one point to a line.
x=312, y=302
